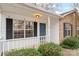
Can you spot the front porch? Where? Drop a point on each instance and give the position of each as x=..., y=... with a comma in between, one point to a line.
x=45, y=30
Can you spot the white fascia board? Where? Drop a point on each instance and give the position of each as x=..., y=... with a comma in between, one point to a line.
x=41, y=9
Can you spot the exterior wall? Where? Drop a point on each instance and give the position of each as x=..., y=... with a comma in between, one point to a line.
x=70, y=18
x=54, y=29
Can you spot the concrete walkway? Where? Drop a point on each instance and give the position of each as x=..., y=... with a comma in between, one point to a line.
x=68, y=52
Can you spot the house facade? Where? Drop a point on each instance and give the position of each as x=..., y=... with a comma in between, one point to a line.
x=20, y=26
x=69, y=24
x=28, y=26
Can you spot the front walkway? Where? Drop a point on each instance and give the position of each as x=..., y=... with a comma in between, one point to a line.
x=68, y=52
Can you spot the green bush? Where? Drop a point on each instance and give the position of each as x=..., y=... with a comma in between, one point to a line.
x=71, y=43
x=23, y=52
x=50, y=49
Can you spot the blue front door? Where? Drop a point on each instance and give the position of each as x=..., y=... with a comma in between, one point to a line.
x=42, y=29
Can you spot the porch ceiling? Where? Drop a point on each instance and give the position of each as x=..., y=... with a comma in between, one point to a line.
x=22, y=10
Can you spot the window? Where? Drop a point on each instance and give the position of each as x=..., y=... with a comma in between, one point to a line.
x=20, y=29
x=29, y=29
x=77, y=31
x=67, y=30
x=23, y=29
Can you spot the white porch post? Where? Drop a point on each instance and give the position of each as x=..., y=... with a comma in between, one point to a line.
x=1, y=38
x=3, y=31
x=0, y=26
x=49, y=29
x=38, y=29
x=0, y=33
x=38, y=32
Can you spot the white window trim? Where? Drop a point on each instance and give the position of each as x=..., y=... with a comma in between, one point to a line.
x=70, y=29
x=22, y=29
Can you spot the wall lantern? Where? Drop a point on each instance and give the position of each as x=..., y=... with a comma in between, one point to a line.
x=37, y=16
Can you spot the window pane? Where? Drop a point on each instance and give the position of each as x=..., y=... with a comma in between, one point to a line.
x=65, y=33
x=29, y=33
x=69, y=33
x=29, y=25
x=18, y=29
x=67, y=26
x=29, y=29
x=19, y=34
x=18, y=24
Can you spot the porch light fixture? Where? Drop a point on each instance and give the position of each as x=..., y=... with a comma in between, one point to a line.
x=37, y=16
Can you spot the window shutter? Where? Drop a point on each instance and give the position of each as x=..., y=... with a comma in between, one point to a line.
x=35, y=29
x=9, y=28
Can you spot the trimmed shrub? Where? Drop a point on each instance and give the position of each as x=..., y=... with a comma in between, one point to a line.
x=23, y=52
x=50, y=49
x=71, y=43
